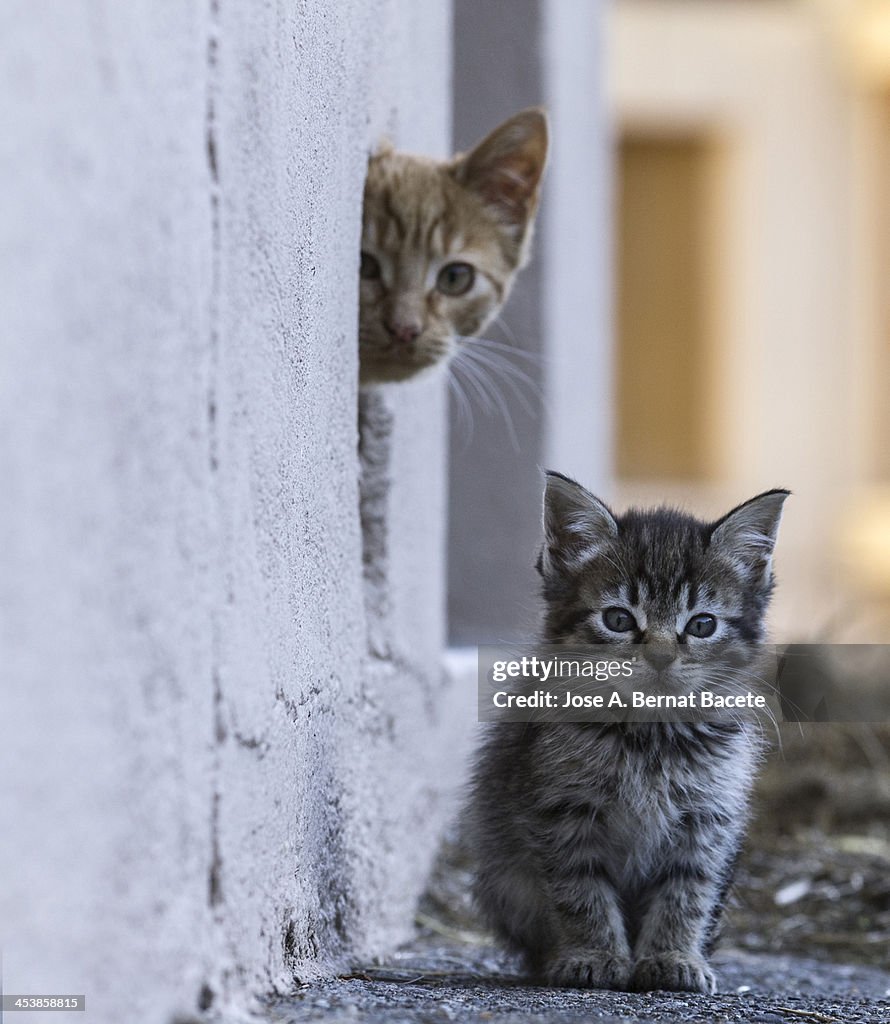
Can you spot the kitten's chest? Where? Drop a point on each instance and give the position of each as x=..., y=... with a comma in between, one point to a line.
x=640, y=811
x=638, y=797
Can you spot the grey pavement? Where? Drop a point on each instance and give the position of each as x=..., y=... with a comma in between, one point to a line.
x=435, y=983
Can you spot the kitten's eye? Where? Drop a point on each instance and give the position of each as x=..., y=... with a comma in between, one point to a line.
x=701, y=626
x=455, y=279
x=619, y=620
x=370, y=268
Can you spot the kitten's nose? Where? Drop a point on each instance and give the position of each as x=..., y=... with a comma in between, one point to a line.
x=659, y=653
x=404, y=333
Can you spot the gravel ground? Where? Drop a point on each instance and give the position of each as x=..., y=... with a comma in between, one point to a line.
x=431, y=983
x=806, y=938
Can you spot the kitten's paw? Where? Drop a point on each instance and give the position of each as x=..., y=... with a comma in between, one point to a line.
x=590, y=968
x=674, y=972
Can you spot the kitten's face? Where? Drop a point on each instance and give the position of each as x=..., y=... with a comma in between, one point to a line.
x=441, y=244
x=683, y=588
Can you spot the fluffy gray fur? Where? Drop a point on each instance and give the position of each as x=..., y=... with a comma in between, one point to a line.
x=605, y=851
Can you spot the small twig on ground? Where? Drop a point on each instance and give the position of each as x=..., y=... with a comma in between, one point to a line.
x=456, y=934
x=813, y=1015
x=399, y=976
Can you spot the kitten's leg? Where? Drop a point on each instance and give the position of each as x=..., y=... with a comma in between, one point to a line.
x=670, y=949
x=671, y=945
x=551, y=926
x=513, y=904
x=592, y=949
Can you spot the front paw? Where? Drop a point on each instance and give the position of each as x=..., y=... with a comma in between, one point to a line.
x=674, y=972
x=590, y=968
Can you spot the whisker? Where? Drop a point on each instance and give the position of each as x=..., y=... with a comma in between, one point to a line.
x=504, y=409
x=499, y=321
x=464, y=406
x=489, y=386
x=472, y=381
x=500, y=360
x=507, y=373
x=499, y=357
x=533, y=357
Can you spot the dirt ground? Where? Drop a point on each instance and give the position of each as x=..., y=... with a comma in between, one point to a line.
x=815, y=877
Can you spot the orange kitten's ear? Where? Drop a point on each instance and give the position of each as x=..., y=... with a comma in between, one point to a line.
x=505, y=168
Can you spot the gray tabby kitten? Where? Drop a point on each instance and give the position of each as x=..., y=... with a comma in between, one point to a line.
x=605, y=851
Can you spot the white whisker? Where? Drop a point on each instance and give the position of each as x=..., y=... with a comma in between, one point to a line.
x=521, y=353
x=499, y=360
x=488, y=387
x=464, y=406
x=499, y=321
x=471, y=376
x=506, y=373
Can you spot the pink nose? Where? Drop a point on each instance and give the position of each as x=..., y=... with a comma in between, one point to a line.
x=404, y=333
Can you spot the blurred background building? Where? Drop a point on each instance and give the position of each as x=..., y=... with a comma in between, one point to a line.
x=745, y=339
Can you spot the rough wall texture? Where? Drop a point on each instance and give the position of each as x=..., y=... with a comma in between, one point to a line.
x=211, y=753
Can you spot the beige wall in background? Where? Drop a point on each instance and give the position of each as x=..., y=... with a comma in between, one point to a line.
x=793, y=363
x=664, y=423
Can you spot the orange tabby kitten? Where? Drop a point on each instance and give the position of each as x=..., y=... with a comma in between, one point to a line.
x=441, y=244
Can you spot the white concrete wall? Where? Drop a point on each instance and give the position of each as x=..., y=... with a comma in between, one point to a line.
x=577, y=245
x=206, y=777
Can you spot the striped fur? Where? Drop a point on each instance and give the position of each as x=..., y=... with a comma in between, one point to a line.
x=419, y=216
x=605, y=852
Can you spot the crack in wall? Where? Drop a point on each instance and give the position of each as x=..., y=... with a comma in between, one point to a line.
x=211, y=150
x=215, y=893
x=214, y=875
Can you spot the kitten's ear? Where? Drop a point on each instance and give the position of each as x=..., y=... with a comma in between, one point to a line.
x=747, y=534
x=576, y=524
x=505, y=169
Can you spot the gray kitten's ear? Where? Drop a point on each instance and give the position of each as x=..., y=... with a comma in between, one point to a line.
x=576, y=524
x=747, y=534
x=505, y=169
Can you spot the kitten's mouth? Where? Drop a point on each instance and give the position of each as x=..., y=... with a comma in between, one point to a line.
x=389, y=360
x=396, y=352
x=396, y=349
